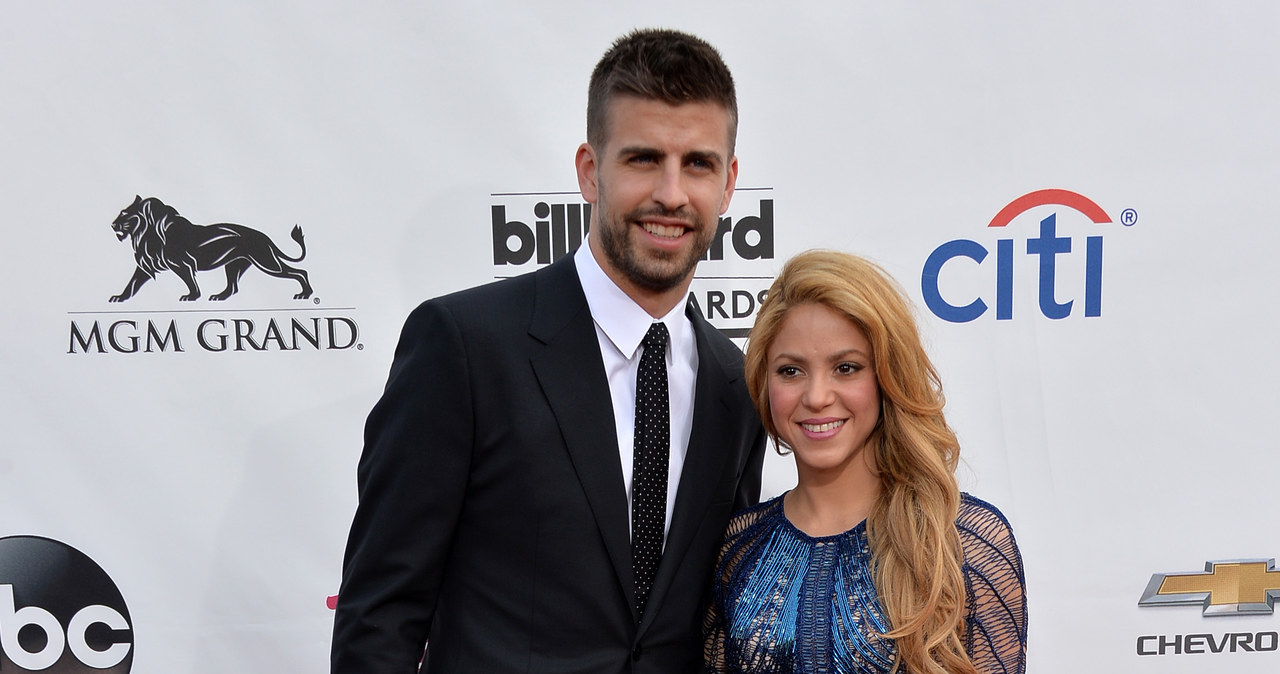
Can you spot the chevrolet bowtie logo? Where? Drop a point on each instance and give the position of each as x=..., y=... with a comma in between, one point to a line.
x=1236, y=587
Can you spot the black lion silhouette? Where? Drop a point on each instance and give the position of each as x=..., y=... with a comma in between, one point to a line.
x=163, y=239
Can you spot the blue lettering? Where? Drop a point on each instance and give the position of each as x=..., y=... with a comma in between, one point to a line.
x=929, y=281
x=1093, y=276
x=1047, y=246
x=1004, y=279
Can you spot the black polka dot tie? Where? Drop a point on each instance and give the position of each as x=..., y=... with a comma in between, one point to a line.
x=649, y=462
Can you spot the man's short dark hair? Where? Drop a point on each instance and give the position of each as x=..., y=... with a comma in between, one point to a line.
x=663, y=65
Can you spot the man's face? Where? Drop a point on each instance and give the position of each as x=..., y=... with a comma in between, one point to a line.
x=659, y=186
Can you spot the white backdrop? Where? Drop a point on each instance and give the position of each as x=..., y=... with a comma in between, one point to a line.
x=215, y=488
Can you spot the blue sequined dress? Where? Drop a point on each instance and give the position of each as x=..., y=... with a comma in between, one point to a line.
x=786, y=602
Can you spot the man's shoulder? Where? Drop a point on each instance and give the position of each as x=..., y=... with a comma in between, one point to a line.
x=501, y=290
x=507, y=297
x=715, y=342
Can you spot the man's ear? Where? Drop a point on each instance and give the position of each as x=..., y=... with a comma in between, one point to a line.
x=729, y=184
x=586, y=166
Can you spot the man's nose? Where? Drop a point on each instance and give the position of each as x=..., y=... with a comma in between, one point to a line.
x=670, y=188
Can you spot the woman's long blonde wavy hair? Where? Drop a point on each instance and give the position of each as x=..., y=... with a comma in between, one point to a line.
x=911, y=526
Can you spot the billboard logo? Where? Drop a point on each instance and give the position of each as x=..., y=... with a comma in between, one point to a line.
x=1237, y=587
x=549, y=240
x=59, y=611
x=163, y=239
x=533, y=229
x=559, y=228
x=1045, y=248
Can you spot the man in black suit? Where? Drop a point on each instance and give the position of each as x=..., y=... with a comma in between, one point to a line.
x=496, y=504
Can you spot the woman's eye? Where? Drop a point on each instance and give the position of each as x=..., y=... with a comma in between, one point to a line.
x=788, y=371
x=848, y=368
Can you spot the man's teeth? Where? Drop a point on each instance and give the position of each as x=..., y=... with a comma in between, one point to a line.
x=822, y=428
x=663, y=230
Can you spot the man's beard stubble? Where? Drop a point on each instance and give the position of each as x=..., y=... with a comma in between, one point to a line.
x=660, y=274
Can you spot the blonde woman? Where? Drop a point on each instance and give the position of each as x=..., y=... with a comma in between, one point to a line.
x=875, y=561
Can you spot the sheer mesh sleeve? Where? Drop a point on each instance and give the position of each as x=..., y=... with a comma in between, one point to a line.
x=714, y=632
x=714, y=626
x=996, y=633
x=713, y=629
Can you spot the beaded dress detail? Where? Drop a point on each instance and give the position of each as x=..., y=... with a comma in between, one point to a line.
x=789, y=603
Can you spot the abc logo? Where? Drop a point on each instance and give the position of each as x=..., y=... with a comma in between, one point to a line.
x=59, y=611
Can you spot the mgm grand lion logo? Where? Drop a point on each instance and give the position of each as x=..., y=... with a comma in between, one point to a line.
x=163, y=239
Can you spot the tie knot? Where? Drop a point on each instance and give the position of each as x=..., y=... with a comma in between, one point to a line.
x=656, y=337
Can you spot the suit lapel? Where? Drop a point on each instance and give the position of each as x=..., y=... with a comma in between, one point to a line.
x=570, y=371
x=704, y=460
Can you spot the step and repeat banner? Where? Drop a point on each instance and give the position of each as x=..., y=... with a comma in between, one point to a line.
x=1079, y=198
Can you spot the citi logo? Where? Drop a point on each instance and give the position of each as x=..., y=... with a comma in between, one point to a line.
x=558, y=229
x=1059, y=293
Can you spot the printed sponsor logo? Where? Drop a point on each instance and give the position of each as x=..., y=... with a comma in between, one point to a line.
x=1194, y=644
x=60, y=613
x=163, y=240
x=949, y=282
x=532, y=229
x=1242, y=587
x=217, y=334
x=1238, y=587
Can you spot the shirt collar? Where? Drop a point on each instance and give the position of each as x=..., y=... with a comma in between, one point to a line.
x=622, y=320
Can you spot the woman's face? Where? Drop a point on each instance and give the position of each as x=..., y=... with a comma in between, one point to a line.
x=823, y=396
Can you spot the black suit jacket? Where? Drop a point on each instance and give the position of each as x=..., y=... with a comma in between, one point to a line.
x=493, y=518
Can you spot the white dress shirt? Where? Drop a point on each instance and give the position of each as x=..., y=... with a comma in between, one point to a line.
x=620, y=326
